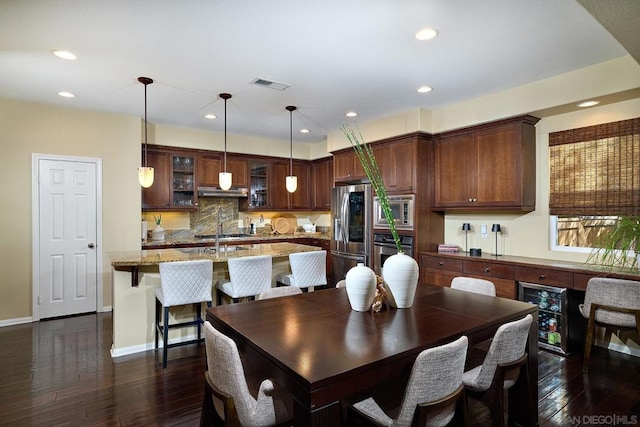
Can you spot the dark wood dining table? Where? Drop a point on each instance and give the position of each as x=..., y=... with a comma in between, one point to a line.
x=324, y=353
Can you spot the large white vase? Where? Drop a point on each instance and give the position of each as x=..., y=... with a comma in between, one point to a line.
x=400, y=273
x=361, y=287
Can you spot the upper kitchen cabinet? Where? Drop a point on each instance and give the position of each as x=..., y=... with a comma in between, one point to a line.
x=211, y=164
x=397, y=162
x=489, y=167
x=267, y=185
x=301, y=198
x=347, y=167
x=322, y=171
x=174, y=180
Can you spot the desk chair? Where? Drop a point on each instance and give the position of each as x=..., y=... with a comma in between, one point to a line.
x=227, y=389
x=503, y=367
x=248, y=276
x=308, y=270
x=471, y=284
x=279, y=292
x=181, y=283
x=434, y=393
x=609, y=303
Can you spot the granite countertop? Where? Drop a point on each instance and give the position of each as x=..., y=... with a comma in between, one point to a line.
x=156, y=256
x=192, y=241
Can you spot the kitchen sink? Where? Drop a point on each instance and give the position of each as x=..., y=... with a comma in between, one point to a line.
x=212, y=249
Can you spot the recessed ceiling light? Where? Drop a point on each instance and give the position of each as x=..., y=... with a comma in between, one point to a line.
x=64, y=54
x=426, y=34
x=351, y=114
x=304, y=131
x=66, y=94
x=210, y=116
x=424, y=89
x=588, y=104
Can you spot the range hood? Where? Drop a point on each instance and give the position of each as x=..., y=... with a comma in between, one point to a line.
x=219, y=192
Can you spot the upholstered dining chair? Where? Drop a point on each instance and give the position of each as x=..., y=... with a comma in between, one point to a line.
x=181, y=283
x=279, y=292
x=341, y=284
x=471, y=284
x=433, y=395
x=609, y=303
x=308, y=270
x=504, y=365
x=248, y=276
x=227, y=393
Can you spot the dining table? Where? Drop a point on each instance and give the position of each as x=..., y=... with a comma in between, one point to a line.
x=326, y=354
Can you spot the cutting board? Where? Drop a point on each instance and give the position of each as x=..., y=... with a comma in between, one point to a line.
x=284, y=224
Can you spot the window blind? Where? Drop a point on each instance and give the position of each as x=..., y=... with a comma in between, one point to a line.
x=595, y=170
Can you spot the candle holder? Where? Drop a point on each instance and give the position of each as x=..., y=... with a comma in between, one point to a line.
x=496, y=229
x=466, y=227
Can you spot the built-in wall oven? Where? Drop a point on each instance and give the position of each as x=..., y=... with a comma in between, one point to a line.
x=384, y=246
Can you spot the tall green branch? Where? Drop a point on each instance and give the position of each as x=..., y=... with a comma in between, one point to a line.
x=370, y=165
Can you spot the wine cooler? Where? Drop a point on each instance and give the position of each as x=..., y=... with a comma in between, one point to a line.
x=552, y=314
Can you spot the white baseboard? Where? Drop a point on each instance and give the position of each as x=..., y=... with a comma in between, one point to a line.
x=16, y=321
x=124, y=351
x=107, y=309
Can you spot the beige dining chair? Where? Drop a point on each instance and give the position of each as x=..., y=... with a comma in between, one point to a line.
x=279, y=292
x=504, y=365
x=433, y=395
x=248, y=277
x=610, y=303
x=308, y=270
x=228, y=386
x=471, y=284
x=181, y=283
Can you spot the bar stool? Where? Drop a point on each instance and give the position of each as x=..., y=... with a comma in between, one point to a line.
x=248, y=277
x=181, y=283
x=308, y=270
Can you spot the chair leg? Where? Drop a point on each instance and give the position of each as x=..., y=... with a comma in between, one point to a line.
x=591, y=327
x=165, y=337
x=218, y=297
x=157, y=324
x=198, y=307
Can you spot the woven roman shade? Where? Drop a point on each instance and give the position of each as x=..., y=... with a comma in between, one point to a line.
x=595, y=170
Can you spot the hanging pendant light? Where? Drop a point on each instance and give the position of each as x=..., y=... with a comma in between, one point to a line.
x=145, y=173
x=291, y=181
x=224, y=177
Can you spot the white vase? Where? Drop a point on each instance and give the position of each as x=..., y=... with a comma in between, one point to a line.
x=400, y=273
x=361, y=287
x=157, y=233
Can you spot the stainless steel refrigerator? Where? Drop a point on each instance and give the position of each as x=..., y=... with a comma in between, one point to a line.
x=351, y=208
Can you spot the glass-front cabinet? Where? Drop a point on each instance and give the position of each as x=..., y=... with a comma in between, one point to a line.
x=183, y=181
x=258, y=184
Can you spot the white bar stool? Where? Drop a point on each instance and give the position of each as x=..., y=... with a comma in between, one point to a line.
x=248, y=277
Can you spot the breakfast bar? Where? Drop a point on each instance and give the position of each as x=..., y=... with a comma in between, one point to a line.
x=135, y=277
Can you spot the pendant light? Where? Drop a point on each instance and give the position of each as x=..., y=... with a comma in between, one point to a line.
x=145, y=173
x=291, y=181
x=224, y=177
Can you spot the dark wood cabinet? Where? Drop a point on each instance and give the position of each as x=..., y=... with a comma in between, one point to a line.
x=322, y=171
x=347, y=167
x=267, y=189
x=174, y=186
x=301, y=198
x=397, y=162
x=487, y=167
x=210, y=165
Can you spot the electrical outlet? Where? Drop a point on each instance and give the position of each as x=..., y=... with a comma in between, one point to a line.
x=483, y=230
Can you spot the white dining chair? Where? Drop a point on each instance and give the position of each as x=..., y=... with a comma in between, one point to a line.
x=471, y=284
x=308, y=270
x=248, y=277
x=181, y=283
x=282, y=291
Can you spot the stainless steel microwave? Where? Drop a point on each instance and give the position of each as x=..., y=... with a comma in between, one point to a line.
x=402, y=210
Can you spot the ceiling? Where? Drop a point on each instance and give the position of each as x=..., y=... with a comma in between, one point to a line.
x=337, y=55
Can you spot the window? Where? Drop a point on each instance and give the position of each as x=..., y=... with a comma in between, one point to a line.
x=594, y=179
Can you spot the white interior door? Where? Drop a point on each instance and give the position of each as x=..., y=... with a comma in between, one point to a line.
x=67, y=233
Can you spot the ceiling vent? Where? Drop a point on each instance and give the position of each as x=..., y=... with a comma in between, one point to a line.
x=270, y=84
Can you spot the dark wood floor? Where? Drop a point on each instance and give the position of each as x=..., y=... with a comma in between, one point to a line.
x=60, y=372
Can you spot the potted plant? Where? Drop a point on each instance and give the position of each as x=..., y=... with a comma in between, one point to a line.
x=400, y=271
x=158, y=232
x=621, y=247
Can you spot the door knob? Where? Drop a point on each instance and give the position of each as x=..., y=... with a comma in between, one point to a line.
x=91, y=245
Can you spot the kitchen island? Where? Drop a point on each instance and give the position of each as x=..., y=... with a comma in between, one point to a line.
x=135, y=278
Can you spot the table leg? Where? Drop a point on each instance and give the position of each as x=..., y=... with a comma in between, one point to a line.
x=329, y=415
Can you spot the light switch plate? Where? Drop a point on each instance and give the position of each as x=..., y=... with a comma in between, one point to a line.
x=483, y=230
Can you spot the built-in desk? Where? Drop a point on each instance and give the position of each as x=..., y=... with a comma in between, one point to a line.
x=135, y=278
